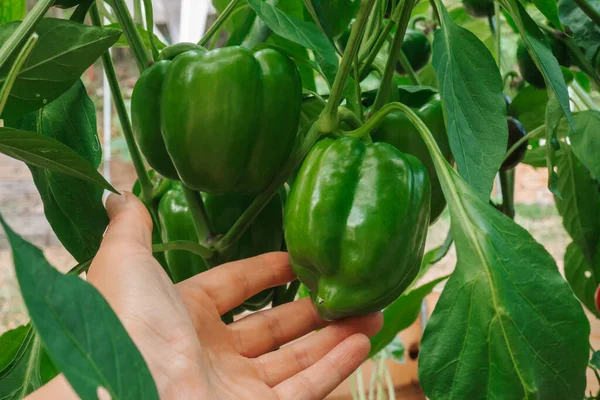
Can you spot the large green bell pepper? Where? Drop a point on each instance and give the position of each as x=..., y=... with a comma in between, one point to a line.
x=398, y=131
x=264, y=235
x=220, y=121
x=356, y=221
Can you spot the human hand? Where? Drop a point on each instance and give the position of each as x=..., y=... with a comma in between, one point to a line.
x=191, y=352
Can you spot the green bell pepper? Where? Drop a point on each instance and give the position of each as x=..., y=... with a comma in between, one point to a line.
x=417, y=48
x=220, y=121
x=176, y=224
x=264, y=235
x=529, y=70
x=356, y=221
x=397, y=130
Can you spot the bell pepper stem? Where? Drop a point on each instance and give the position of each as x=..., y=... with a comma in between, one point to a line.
x=507, y=187
x=347, y=116
x=136, y=157
x=328, y=120
x=132, y=34
x=242, y=224
x=390, y=67
x=539, y=131
x=150, y=28
x=218, y=22
x=185, y=245
x=25, y=29
x=15, y=69
x=202, y=223
x=409, y=69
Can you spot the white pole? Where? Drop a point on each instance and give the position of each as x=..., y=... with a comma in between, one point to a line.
x=193, y=19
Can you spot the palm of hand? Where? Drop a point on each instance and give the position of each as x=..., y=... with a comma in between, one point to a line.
x=191, y=352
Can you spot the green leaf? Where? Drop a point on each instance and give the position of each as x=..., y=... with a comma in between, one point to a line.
x=583, y=277
x=550, y=11
x=45, y=152
x=12, y=10
x=72, y=206
x=580, y=202
x=506, y=317
x=401, y=314
x=584, y=140
x=305, y=33
x=471, y=89
x=83, y=335
x=64, y=50
x=122, y=42
x=536, y=157
x=529, y=107
x=586, y=34
x=541, y=54
x=553, y=116
x=19, y=365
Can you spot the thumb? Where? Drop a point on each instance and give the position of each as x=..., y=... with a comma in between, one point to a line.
x=130, y=223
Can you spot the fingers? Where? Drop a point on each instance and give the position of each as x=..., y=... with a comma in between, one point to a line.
x=230, y=284
x=264, y=331
x=290, y=360
x=326, y=374
x=129, y=235
x=130, y=222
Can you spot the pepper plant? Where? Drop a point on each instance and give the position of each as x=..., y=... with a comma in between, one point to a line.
x=338, y=131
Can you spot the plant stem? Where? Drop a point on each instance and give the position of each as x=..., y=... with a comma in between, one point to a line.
x=328, y=120
x=137, y=12
x=242, y=224
x=136, y=157
x=390, y=67
x=204, y=228
x=507, y=188
x=132, y=35
x=218, y=22
x=347, y=116
x=185, y=245
x=81, y=267
x=537, y=131
x=498, y=36
x=150, y=28
x=25, y=29
x=15, y=69
x=408, y=68
x=368, y=57
x=584, y=97
x=589, y=10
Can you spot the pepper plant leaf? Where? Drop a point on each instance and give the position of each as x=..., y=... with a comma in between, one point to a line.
x=43, y=151
x=506, y=317
x=84, y=337
x=12, y=10
x=72, y=206
x=64, y=50
x=471, y=89
x=584, y=140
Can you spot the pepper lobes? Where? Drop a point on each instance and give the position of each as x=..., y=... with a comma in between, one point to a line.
x=356, y=221
x=221, y=121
